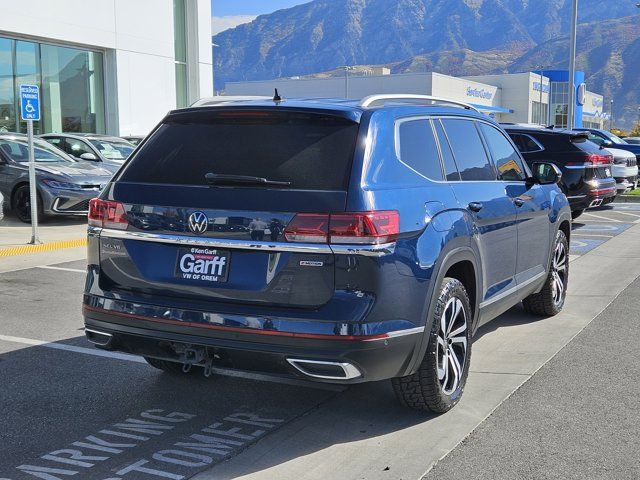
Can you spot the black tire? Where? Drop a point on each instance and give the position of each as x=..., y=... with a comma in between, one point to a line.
x=174, y=368
x=21, y=204
x=549, y=302
x=576, y=213
x=425, y=390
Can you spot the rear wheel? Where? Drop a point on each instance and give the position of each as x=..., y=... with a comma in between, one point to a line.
x=550, y=300
x=174, y=368
x=438, y=384
x=576, y=213
x=22, y=204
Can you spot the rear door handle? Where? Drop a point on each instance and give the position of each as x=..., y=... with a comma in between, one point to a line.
x=518, y=202
x=475, y=206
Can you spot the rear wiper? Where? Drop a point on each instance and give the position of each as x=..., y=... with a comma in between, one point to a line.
x=220, y=179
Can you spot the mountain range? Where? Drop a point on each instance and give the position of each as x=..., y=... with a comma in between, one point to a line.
x=455, y=37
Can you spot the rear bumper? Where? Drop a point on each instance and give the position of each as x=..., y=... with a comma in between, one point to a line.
x=372, y=356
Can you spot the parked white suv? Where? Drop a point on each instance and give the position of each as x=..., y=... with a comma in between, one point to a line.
x=624, y=169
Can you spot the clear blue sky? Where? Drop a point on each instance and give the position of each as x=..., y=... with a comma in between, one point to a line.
x=222, y=8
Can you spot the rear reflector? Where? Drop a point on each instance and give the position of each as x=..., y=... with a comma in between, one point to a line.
x=107, y=214
x=363, y=228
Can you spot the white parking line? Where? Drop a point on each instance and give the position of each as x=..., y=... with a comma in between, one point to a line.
x=71, y=348
x=603, y=218
x=578, y=234
x=132, y=358
x=627, y=213
x=49, y=267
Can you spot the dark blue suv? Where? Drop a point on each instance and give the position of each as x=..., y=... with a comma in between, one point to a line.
x=337, y=241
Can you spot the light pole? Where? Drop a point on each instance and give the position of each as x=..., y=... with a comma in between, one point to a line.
x=611, y=119
x=572, y=65
x=346, y=80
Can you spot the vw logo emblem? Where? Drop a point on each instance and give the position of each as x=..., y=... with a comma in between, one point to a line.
x=198, y=222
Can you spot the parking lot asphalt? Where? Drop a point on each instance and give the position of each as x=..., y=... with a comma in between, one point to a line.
x=576, y=418
x=69, y=410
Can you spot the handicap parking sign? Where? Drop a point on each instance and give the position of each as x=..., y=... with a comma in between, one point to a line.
x=30, y=102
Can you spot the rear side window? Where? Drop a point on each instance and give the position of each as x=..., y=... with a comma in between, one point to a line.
x=525, y=143
x=311, y=151
x=505, y=157
x=418, y=149
x=450, y=168
x=468, y=150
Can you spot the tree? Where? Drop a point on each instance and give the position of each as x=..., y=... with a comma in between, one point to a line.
x=635, y=131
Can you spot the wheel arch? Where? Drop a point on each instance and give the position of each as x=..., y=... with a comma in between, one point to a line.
x=463, y=264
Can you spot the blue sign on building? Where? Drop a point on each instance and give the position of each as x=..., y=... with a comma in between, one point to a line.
x=30, y=102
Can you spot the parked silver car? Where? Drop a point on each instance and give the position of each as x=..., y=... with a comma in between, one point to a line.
x=65, y=185
x=106, y=151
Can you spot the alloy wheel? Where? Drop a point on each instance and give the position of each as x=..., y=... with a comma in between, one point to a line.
x=559, y=273
x=451, y=350
x=23, y=204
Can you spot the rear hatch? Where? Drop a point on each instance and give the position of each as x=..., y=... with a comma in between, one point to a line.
x=204, y=210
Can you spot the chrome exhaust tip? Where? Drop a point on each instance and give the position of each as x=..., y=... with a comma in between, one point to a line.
x=595, y=203
x=99, y=338
x=324, y=369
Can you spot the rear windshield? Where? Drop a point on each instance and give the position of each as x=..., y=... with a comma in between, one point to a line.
x=311, y=151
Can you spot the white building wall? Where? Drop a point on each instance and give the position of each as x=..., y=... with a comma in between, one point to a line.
x=517, y=93
x=137, y=39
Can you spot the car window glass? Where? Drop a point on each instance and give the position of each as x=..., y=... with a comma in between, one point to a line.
x=506, y=159
x=418, y=149
x=525, y=143
x=113, y=150
x=18, y=151
x=450, y=168
x=468, y=150
x=76, y=147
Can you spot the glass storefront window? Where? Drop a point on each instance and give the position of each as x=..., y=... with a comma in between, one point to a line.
x=72, y=90
x=27, y=70
x=7, y=91
x=71, y=84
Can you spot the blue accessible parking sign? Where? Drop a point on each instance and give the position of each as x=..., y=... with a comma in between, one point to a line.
x=30, y=102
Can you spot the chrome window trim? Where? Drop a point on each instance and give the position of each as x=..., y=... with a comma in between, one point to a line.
x=318, y=248
x=397, y=144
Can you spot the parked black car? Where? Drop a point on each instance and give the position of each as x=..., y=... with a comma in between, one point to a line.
x=586, y=168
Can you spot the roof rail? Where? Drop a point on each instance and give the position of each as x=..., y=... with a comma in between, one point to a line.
x=371, y=99
x=224, y=99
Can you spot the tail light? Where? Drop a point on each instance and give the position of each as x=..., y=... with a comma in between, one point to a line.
x=593, y=159
x=308, y=227
x=597, y=159
x=366, y=228
x=107, y=214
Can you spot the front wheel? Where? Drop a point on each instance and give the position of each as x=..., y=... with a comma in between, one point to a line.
x=22, y=204
x=438, y=384
x=550, y=300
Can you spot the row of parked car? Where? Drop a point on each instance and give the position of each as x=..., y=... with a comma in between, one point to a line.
x=71, y=169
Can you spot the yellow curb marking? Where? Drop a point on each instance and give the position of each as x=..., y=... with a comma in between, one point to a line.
x=45, y=247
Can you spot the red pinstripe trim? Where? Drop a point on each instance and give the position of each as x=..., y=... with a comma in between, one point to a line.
x=315, y=336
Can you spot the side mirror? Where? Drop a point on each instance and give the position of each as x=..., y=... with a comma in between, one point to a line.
x=545, y=173
x=89, y=156
x=606, y=144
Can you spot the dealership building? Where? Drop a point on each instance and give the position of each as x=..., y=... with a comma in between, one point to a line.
x=111, y=67
x=530, y=97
